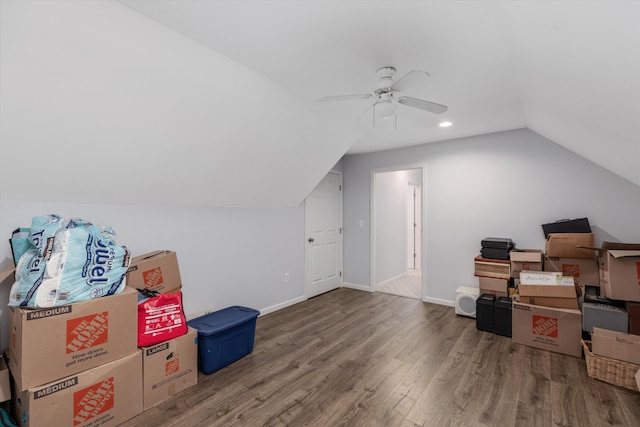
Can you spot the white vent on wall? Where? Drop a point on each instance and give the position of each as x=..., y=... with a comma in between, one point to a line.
x=466, y=297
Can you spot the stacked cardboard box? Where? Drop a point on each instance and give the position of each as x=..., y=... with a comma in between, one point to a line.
x=171, y=365
x=80, y=364
x=76, y=364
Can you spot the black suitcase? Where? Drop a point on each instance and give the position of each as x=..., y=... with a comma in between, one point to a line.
x=578, y=225
x=484, y=312
x=497, y=243
x=493, y=253
x=502, y=316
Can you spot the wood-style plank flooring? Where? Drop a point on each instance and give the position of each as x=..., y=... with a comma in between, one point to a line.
x=354, y=358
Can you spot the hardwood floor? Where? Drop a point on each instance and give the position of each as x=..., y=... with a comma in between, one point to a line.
x=354, y=358
x=409, y=285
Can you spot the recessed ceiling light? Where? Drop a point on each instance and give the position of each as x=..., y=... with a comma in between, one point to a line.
x=445, y=124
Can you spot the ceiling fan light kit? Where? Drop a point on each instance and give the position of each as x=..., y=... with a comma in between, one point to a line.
x=387, y=96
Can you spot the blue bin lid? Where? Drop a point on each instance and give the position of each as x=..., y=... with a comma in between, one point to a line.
x=221, y=320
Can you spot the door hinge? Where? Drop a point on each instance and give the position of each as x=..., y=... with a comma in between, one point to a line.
x=340, y=187
x=341, y=274
x=340, y=230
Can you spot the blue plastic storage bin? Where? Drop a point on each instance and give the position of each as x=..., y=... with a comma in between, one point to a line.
x=224, y=336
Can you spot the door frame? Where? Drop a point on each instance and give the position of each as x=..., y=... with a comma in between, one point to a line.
x=373, y=219
x=307, y=272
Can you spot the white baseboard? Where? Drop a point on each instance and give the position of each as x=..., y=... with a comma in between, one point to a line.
x=439, y=301
x=262, y=311
x=357, y=287
x=282, y=305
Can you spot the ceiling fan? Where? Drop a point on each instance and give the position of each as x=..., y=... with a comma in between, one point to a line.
x=387, y=95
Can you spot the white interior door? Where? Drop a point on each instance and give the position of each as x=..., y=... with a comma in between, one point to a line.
x=323, y=230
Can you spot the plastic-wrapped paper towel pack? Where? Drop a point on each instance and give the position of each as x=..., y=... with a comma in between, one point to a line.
x=69, y=260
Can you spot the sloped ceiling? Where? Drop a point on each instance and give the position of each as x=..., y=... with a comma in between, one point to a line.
x=214, y=102
x=568, y=70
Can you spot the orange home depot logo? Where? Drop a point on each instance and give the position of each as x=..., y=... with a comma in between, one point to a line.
x=152, y=278
x=172, y=367
x=545, y=326
x=88, y=331
x=572, y=270
x=92, y=401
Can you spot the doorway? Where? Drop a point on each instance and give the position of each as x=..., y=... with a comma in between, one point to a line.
x=396, y=254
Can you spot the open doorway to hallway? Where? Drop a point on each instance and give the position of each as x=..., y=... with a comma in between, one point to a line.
x=397, y=232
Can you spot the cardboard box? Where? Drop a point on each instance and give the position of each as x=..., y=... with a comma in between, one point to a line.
x=584, y=269
x=156, y=271
x=620, y=274
x=554, y=329
x=549, y=289
x=570, y=245
x=106, y=395
x=633, y=308
x=525, y=259
x=169, y=367
x=493, y=286
x=499, y=269
x=52, y=343
x=616, y=345
x=5, y=384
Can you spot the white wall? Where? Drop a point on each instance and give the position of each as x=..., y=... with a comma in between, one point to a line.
x=497, y=185
x=227, y=256
x=101, y=104
x=390, y=225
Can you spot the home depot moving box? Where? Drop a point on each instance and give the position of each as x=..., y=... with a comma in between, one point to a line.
x=493, y=286
x=525, y=259
x=169, y=367
x=106, y=395
x=547, y=328
x=155, y=271
x=583, y=269
x=52, y=343
x=570, y=245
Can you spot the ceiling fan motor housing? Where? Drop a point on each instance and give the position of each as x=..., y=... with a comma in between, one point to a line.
x=385, y=79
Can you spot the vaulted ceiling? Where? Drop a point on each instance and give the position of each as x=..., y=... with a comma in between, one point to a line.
x=568, y=70
x=204, y=89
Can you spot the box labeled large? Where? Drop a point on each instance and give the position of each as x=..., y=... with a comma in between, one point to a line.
x=224, y=336
x=525, y=259
x=169, y=367
x=156, y=271
x=616, y=345
x=584, y=269
x=52, y=343
x=570, y=245
x=106, y=395
x=621, y=274
x=553, y=329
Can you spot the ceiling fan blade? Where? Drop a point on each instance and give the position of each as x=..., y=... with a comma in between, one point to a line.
x=371, y=107
x=412, y=78
x=345, y=97
x=431, y=107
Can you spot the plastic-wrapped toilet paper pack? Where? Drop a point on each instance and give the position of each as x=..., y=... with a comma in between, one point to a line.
x=43, y=230
x=84, y=263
